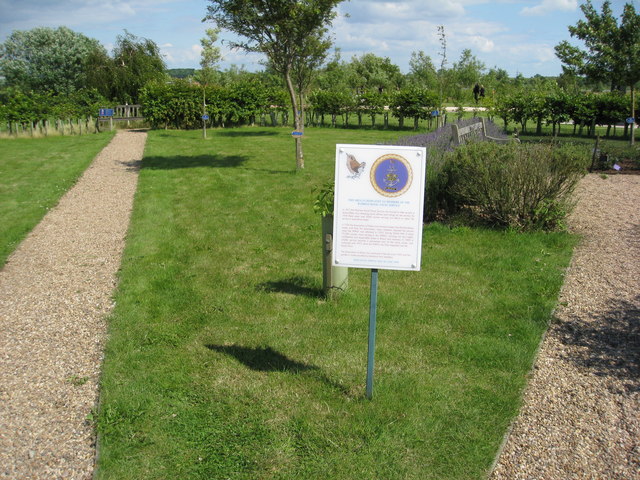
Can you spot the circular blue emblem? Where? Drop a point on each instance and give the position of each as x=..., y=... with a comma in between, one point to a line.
x=391, y=175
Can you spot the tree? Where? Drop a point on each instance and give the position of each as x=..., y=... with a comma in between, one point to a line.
x=423, y=72
x=44, y=59
x=463, y=75
x=288, y=32
x=134, y=63
x=375, y=73
x=210, y=56
x=336, y=74
x=612, y=50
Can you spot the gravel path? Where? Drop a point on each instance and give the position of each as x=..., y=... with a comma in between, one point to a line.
x=581, y=413
x=55, y=292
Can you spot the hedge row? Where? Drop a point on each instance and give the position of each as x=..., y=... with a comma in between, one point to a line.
x=182, y=104
x=30, y=107
x=584, y=110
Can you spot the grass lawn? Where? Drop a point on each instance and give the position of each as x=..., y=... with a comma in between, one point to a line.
x=34, y=174
x=225, y=361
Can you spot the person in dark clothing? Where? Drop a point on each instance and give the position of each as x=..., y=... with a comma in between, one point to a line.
x=476, y=92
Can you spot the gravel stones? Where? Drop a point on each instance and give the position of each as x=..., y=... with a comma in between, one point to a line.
x=55, y=292
x=581, y=410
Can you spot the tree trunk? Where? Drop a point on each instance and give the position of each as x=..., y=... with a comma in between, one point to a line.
x=633, y=111
x=297, y=119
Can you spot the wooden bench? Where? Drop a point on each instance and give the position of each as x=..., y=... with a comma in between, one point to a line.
x=476, y=131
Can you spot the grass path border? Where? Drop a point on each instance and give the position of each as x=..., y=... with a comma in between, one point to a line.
x=55, y=291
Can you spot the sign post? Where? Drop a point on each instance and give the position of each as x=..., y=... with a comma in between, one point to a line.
x=205, y=117
x=373, y=306
x=378, y=206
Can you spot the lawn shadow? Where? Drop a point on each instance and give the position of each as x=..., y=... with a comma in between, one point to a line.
x=262, y=359
x=296, y=285
x=245, y=133
x=181, y=161
x=266, y=359
x=610, y=341
x=271, y=171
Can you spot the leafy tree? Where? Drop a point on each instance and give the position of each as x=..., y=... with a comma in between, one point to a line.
x=134, y=62
x=612, y=49
x=291, y=33
x=423, y=73
x=46, y=59
x=375, y=73
x=210, y=56
x=466, y=72
x=336, y=74
x=413, y=102
x=330, y=102
x=181, y=72
x=372, y=103
x=610, y=107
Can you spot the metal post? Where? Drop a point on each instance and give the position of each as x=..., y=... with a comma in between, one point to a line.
x=372, y=331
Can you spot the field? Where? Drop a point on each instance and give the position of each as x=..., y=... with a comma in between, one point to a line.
x=34, y=174
x=224, y=360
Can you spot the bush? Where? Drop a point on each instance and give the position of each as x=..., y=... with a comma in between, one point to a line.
x=437, y=143
x=520, y=186
x=611, y=153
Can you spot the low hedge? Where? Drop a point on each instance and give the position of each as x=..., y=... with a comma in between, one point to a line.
x=519, y=186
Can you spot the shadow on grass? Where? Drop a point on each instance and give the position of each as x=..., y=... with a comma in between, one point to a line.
x=266, y=359
x=271, y=171
x=296, y=285
x=213, y=161
x=610, y=341
x=262, y=359
x=245, y=133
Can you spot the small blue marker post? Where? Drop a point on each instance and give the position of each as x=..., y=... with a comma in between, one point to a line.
x=372, y=331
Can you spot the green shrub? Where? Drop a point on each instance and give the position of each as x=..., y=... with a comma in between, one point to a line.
x=614, y=152
x=519, y=186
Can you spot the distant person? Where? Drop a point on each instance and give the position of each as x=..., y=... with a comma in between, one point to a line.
x=476, y=92
x=481, y=92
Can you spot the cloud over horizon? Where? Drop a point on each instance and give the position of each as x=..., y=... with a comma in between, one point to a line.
x=516, y=35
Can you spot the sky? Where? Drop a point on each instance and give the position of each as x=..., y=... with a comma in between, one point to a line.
x=515, y=35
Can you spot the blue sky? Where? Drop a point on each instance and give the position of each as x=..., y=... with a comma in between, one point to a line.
x=515, y=35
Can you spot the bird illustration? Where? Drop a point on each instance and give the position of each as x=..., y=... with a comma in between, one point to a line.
x=355, y=167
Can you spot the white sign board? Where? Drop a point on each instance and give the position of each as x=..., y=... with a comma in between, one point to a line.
x=379, y=197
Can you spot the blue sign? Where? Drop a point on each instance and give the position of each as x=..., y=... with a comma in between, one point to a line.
x=105, y=112
x=435, y=113
x=205, y=117
x=631, y=120
x=296, y=133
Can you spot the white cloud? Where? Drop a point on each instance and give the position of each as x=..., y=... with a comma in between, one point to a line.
x=481, y=43
x=548, y=6
x=26, y=14
x=373, y=11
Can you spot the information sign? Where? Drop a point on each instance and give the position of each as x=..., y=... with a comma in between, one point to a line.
x=295, y=133
x=205, y=117
x=105, y=112
x=379, y=197
x=631, y=120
